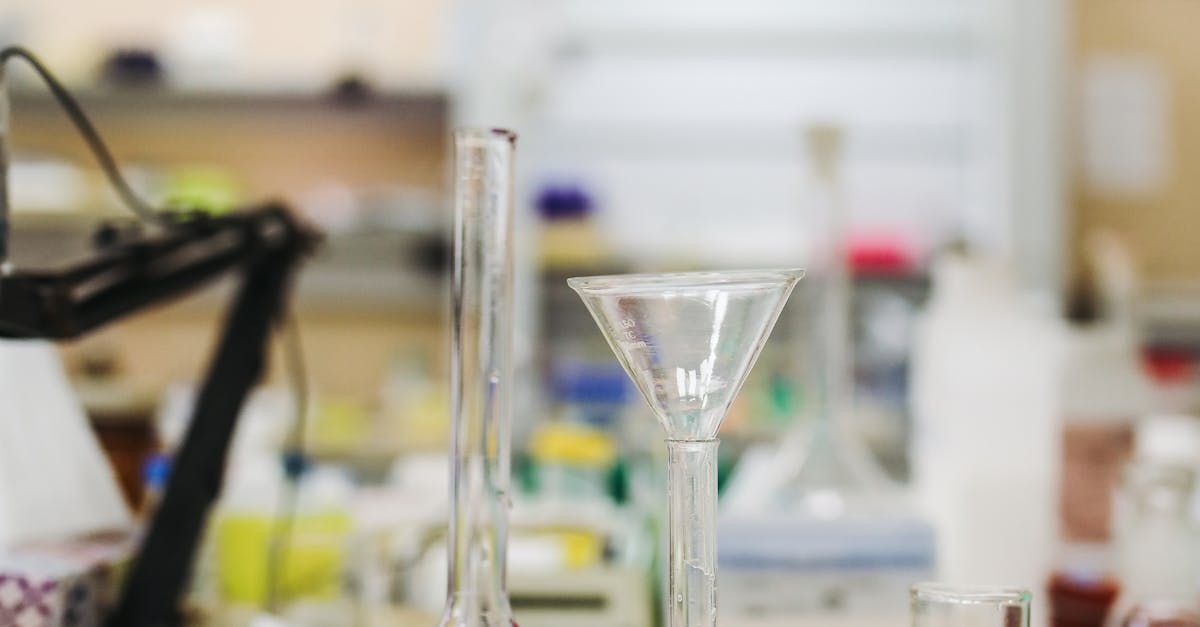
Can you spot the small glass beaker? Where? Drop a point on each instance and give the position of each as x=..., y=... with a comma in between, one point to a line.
x=948, y=605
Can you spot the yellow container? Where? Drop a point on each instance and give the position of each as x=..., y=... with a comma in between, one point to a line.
x=310, y=565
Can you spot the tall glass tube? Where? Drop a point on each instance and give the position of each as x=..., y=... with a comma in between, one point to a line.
x=481, y=379
x=944, y=605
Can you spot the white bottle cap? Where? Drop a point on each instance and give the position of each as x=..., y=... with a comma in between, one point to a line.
x=1169, y=438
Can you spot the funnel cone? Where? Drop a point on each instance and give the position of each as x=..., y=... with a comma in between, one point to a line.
x=689, y=339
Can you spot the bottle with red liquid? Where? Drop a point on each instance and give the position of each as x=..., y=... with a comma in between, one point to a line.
x=1082, y=593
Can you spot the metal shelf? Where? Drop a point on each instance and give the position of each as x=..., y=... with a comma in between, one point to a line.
x=426, y=105
x=371, y=270
x=1170, y=311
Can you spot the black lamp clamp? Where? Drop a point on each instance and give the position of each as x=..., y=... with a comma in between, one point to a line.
x=183, y=252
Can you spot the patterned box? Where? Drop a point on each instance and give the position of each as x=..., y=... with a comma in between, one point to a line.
x=69, y=584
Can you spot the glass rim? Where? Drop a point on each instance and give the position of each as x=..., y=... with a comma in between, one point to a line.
x=639, y=282
x=484, y=134
x=970, y=594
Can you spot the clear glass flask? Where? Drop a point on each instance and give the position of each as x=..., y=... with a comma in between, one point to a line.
x=688, y=340
x=826, y=471
x=1158, y=546
x=946, y=605
x=481, y=379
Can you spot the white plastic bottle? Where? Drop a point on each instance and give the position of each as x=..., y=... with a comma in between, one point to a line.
x=987, y=434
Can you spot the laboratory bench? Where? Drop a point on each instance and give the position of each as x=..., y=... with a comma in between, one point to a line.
x=392, y=617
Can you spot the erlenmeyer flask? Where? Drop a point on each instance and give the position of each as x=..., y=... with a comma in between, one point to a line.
x=481, y=379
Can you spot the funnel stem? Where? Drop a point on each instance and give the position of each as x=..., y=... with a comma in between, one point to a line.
x=692, y=492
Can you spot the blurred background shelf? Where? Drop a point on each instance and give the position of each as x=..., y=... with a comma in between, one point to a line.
x=131, y=100
x=377, y=269
x=398, y=138
x=1171, y=311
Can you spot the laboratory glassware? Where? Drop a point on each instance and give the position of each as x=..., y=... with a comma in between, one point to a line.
x=1157, y=544
x=946, y=605
x=688, y=340
x=481, y=379
x=825, y=470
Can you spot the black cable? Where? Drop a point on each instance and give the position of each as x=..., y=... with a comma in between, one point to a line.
x=298, y=373
x=281, y=534
x=107, y=163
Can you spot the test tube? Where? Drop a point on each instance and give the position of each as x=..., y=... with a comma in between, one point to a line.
x=946, y=605
x=481, y=379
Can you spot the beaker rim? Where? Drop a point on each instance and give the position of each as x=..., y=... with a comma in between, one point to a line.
x=642, y=282
x=936, y=592
x=485, y=133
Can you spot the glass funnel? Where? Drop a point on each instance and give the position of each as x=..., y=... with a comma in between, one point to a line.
x=688, y=340
x=481, y=379
x=944, y=605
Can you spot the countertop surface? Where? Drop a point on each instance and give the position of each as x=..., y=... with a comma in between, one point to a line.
x=391, y=617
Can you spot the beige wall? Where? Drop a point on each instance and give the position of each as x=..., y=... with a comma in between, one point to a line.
x=1162, y=227
x=284, y=40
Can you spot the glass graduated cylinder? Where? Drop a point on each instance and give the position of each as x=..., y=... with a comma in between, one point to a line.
x=481, y=380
